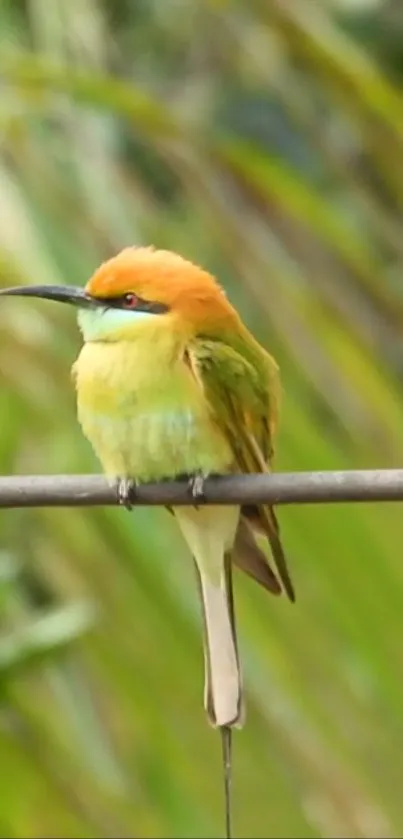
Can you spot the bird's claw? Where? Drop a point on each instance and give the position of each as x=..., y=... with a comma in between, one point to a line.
x=126, y=490
x=196, y=487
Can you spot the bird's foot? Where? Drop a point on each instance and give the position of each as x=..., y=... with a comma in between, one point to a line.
x=126, y=488
x=196, y=487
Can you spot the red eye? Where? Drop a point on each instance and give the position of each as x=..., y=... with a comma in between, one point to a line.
x=130, y=301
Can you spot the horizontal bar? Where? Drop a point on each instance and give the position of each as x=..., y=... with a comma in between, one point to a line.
x=277, y=488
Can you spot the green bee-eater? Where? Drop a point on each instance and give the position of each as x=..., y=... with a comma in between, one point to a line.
x=170, y=382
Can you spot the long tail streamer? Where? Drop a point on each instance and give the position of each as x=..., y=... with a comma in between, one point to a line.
x=226, y=740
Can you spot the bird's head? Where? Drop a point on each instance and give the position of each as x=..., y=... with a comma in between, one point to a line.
x=138, y=287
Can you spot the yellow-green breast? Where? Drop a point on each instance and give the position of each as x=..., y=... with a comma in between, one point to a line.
x=143, y=411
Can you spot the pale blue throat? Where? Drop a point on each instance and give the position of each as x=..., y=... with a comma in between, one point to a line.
x=100, y=324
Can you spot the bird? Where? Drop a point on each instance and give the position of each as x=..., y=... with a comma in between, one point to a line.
x=170, y=382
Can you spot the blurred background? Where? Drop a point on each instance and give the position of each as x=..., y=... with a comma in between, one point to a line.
x=263, y=139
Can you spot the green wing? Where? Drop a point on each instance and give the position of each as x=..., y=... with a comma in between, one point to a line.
x=243, y=394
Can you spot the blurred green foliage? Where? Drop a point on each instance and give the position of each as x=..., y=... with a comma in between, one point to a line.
x=264, y=140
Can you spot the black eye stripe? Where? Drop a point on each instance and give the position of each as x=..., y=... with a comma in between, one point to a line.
x=120, y=302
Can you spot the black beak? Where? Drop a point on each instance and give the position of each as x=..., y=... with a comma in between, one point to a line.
x=63, y=294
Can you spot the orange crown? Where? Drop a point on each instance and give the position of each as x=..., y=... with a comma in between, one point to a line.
x=164, y=277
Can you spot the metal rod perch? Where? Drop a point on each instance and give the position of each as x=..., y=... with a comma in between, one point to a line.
x=277, y=488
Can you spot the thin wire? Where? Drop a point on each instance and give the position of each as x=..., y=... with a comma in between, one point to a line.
x=226, y=741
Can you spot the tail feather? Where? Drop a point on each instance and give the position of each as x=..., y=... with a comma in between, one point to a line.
x=263, y=519
x=223, y=685
x=251, y=559
x=210, y=534
x=280, y=561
